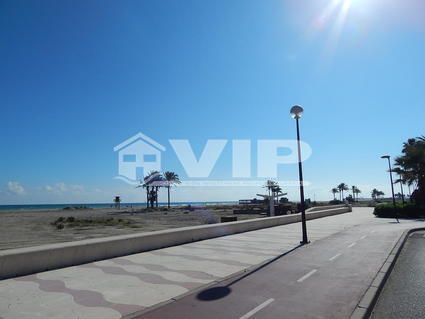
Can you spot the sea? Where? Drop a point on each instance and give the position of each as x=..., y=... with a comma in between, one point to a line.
x=100, y=205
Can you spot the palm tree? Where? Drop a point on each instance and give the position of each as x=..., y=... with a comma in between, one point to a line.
x=270, y=185
x=342, y=187
x=276, y=190
x=151, y=183
x=411, y=166
x=401, y=182
x=356, y=191
x=145, y=185
x=170, y=179
x=334, y=191
x=374, y=193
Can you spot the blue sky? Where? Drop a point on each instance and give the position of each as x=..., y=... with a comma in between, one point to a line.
x=79, y=77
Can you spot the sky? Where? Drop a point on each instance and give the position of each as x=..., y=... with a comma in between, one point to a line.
x=80, y=77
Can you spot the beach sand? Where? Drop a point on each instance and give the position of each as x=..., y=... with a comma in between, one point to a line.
x=25, y=228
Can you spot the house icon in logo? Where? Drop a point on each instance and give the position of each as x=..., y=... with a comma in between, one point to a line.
x=137, y=156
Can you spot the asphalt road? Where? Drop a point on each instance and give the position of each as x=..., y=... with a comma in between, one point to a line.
x=325, y=279
x=403, y=295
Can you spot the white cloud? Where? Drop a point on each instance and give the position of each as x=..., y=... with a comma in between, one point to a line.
x=16, y=188
x=60, y=188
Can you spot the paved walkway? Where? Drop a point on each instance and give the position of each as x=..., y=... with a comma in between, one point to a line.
x=118, y=287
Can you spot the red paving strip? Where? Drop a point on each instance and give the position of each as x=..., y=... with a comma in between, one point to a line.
x=86, y=298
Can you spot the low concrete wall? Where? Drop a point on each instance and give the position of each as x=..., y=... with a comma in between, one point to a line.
x=317, y=208
x=24, y=261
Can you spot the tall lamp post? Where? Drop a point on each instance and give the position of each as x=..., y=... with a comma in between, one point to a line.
x=392, y=184
x=296, y=113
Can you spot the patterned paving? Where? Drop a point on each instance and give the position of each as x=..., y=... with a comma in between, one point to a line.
x=118, y=287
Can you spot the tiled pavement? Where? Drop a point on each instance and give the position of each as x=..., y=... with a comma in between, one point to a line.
x=118, y=287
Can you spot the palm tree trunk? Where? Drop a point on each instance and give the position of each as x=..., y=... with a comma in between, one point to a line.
x=156, y=196
x=152, y=197
x=168, y=190
x=147, y=196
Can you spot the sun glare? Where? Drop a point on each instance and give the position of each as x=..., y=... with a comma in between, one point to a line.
x=333, y=17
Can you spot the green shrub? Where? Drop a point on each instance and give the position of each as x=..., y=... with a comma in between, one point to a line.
x=402, y=211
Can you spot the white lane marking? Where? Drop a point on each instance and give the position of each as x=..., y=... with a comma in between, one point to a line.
x=351, y=245
x=307, y=275
x=373, y=231
x=335, y=257
x=257, y=309
x=363, y=237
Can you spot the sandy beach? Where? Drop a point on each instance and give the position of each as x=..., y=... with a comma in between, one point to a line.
x=24, y=228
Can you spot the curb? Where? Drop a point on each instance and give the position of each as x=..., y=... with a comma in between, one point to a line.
x=367, y=302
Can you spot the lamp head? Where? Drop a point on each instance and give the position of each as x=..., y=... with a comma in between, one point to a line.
x=385, y=156
x=296, y=112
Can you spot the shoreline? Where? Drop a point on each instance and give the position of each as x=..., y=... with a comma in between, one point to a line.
x=32, y=207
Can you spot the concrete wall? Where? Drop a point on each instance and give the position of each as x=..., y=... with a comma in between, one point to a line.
x=23, y=261
x=317, y=208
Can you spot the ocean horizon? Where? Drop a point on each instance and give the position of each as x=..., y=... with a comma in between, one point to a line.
x=100, y=205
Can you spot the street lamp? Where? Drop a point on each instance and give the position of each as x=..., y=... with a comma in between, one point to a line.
x=392, y=184
x=296, y=113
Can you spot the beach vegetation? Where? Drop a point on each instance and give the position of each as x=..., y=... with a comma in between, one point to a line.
x=72, y=222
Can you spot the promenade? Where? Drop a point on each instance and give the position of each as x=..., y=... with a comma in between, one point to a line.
x=326, y=278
